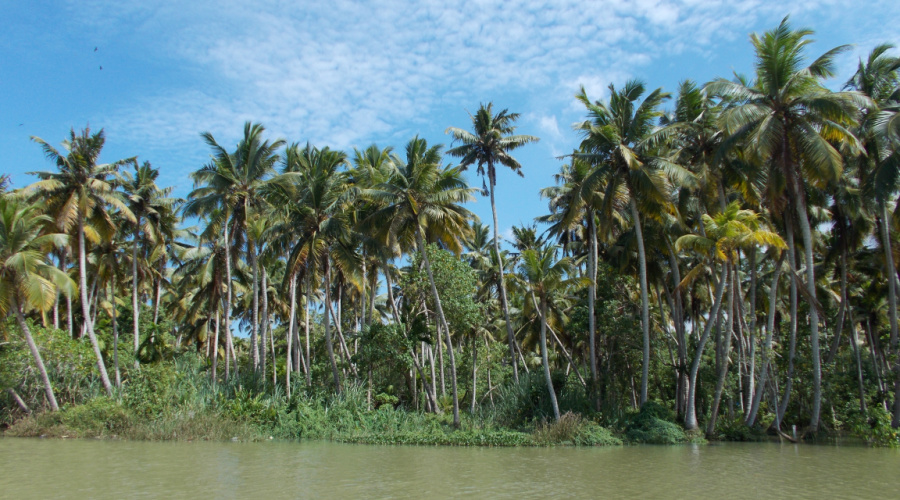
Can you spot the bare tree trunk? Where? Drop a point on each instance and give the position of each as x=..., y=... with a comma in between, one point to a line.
x=254, y=321
x=328, y=344
x=806, y=232
x=645, y=301
x=545, y=361
x=135, y=292
x=215, y=360
x=792, y=350
x=724, y=354
x=35, y=353
x=892, y=308
x=504, y=302
x=264, y=327
x=767, y=347
x=592, y=299
x=115, y=327
x=228, y=344
x=440, y=311
x=690, y=414
x=85, y=307
x=289, y=364
x=474, y=373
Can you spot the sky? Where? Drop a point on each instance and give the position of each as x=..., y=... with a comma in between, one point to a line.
x=156, y=74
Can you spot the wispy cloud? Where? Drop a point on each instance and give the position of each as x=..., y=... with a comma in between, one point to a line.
x=346, y=73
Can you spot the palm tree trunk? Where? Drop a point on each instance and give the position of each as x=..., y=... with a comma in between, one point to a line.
x=792, y=349
x=289, y=363
x=306, y=322
x=85, y=307
x=254, y=322
x=335, y=373
x=767, y=347
x=35, y=353
x=115, y=327
x=215, y=346
x=645, y=301
x=592, y=299
x=504, y=302
x=135, y=291
x=228, y=344
x=892, y=307
x=545, y=360
x=859, y=372
x=443, y=319
x=806, y=232
x=264, y=327
x=724, y=354
x=474, y=372
x=690, y=414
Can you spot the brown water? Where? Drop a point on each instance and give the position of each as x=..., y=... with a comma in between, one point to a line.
x=32, y=468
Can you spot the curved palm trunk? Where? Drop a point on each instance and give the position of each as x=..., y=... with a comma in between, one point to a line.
x=645, y=301
x=503, y=299
x=35, y=353
x=443, y=319
x=215, y=344
x=792, y=349
x=592, y=299
x=690, y=414
x=725, y=351
x=85, y=307
x=115, y=327
x=335, y=373
x=228, y=345
x=254, y=322
x=892, y=306
x=806, y=232
x=545, y=360
x=767, y=346
x=288, y=364
x=136, y=311
x=264, y=327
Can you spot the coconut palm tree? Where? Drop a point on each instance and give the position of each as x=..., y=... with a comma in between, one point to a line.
x=421, y=199
x=618, y=139
x=27, y=280
x=789, y=121
x=149, y=204
x=722, y=237
x=83, y=190
x=487, y=146
x=542, y=275
x=236, y=181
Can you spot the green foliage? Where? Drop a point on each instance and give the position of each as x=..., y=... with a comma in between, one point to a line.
x=875, y=427
x=572, y=428
x=653, y=425
x=70, y=365
x=456, y=283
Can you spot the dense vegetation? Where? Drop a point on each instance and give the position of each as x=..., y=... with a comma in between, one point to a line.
x=730, y=262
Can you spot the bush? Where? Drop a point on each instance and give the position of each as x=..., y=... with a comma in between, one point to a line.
x=653, y=425
x=572, y=428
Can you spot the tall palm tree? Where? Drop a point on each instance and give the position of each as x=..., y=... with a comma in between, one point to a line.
x=424, y=198
x=618, y=138
x=722, y=237
x=543, y=274
x=789, y=121
x=236, y=182
x=317, y=225
x=488, y=145
x=27, y=280
x=149, y=204
x=83, y=189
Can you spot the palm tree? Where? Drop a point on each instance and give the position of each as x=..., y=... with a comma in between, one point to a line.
x=617, y=139
x=490, y=145
x=543, y=274
x=424, y=198
x=83, y=190
x=789, y=121
x=149, y=204
x=317, y=226
x=236, y=182
x=26, y=279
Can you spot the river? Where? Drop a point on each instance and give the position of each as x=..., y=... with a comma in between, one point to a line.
x=36, y=468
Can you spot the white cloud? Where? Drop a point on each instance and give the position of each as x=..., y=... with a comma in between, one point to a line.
x=345, y=73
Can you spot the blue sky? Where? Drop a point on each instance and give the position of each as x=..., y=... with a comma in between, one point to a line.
x=347, y=74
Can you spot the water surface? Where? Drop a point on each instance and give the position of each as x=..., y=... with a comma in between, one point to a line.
x=35, y=468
